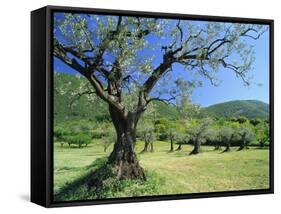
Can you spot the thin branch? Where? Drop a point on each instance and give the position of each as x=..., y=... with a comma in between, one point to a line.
x=180, y=30
x=221, y=42
x=206, y=74
x=236, y=70
x=252, y=37
x=164, y=100
x=79, y=95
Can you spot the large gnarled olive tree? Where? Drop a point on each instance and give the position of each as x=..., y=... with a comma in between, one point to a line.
x=132, y=55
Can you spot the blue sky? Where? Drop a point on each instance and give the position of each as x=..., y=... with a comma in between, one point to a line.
x=230, y=87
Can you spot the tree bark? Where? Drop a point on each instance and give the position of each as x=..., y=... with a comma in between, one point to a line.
x=145, y=146
x=243, y=144
x=151, y=147
x=262, y=143
x=196, y=148
x=172, y=145
x=227, y=147
x=179, y=147
x=217, y=146
x=123, y=156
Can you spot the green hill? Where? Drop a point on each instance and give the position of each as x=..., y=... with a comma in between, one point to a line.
x=248, y=108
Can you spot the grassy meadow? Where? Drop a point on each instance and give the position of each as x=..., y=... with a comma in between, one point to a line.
x=87, y=134
x=167, y=172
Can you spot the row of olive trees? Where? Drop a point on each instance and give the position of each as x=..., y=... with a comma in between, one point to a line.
x=72, y=137
x=220, y=136
x=221, y=133
x=81, y=134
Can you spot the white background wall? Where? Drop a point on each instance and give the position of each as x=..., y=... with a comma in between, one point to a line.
x=15, y=105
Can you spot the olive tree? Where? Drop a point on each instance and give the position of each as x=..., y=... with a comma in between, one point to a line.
x=199, y=134
x=227, y=134
x=147, y=135
x=78, y=139
x=172, y=136
x=187, y=110
x=262, y=133
x=108, y=138
x=59, y=134
x=121, y=55
x=246, y=135
x=146, y=127
x=213, y=137
x=181, y=139
x=107, y=141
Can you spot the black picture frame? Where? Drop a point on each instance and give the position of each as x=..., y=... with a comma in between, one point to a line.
x=42, y=106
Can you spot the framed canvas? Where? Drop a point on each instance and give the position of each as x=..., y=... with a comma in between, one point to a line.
x=134, y=106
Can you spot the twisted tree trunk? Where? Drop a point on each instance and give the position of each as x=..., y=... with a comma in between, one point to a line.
x=228, y=144
x=151, y=147
x=217, y=146
x=227, y=147
x=145, y=146
x=243, y=144
x=123, y=156
x=179, y=147
x=196, y=148
x=171, y=145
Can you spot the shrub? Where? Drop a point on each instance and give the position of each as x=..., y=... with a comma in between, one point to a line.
x=255, y=121
x=262, y=133
x=246, y=135
x=78, y=139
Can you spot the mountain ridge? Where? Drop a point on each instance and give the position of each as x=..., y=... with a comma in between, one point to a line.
x=235, y=108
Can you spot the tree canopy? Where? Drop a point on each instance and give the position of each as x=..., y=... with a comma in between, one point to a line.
x=137, y=55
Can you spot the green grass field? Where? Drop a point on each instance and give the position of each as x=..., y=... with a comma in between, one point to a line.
x=170, y=172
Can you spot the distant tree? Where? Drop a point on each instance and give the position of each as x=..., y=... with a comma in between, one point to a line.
x=108, y=137
x=185, y=107
x=59, y=134
x=172, y=136
x=107, y=141
x=246, y=135
x=78, y=139
x=162, y=125
x=213, y=137
x=181, y=139
x=232, y=119
x=242, y=119
x=146, y=127
x=198, y=134
x=227, y=134
x=262, y=133
x=255, y=121
x=217, y=144
x=147, y=136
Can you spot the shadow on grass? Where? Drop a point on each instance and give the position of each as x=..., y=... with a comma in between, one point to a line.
x=78, y=189
x=87, y=188
x=226, y=151
x=181, y=154
x=262, y=148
